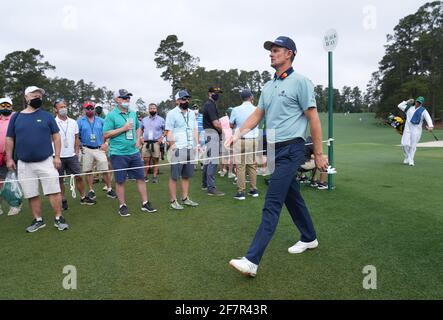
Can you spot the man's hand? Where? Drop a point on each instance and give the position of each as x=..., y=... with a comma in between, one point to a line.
x=104, y=147
x=10, y=164
x=128, y=126
x=160, y=141
x=321, y=162
x=57, y=162
x=231, y=141
x=429, y=128
x=411, y=102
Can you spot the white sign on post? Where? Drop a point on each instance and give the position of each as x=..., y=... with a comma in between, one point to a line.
x=330, y=40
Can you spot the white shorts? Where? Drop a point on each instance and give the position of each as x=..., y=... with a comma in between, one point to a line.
x=43, y=171
x=94, y=155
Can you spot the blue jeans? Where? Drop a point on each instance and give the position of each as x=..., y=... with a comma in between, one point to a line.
x=283, y=189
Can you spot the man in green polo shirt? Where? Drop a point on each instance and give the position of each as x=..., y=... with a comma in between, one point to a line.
x=123, y=129
x=288, y=103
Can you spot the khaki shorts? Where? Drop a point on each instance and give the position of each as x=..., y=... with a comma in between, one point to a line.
x=38, y=171
x=94, y=155
x=148, y=153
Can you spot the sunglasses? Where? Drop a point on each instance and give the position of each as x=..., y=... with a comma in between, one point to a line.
x=89, y=108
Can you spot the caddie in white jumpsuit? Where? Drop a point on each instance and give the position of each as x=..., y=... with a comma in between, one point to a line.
x=413, y=126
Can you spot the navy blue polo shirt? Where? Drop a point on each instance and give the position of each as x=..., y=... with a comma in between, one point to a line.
x=33, y=135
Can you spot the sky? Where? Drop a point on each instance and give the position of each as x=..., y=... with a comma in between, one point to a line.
x=112, y=43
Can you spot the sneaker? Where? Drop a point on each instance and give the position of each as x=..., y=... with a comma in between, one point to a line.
x=188, y=202
x=406, y=161
x=303, y=180
x=175, y=205
x=123, y=211
x=223, y=173
x=313, y=184
x=300, y=246
x=91, y=195
x=231, y=175
x=204, y=188
x=411, y=163
x=35, y=225
x=13, y=211
x=240, y=196
x=146, y=179
x=244, y=266
x=155, y=180
x=322, y=186
x=216, y=193
x=61, y=224
x=111, y=194
x=87, y=201
x=253, y=193
x=65, y=204
x=105, y=188
x=148, y=207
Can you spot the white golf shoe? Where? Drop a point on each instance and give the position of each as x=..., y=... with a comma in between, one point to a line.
x=411, y=163
x=244, y=266
x=300, y=246
x=406, y=161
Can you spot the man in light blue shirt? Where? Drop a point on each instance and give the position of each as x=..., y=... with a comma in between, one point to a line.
x=288, y=103
x=182, y=134
x=245, y=148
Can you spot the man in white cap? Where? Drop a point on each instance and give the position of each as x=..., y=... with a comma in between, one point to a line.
x=5, y=116
x=32, y=132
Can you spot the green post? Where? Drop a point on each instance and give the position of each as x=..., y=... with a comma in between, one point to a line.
x=330, y=122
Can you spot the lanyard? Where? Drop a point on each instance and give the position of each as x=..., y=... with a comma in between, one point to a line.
x=186, y=119
x=91, y=126
x=60, y=122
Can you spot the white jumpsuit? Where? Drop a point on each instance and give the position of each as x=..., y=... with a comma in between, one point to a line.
x=412, y=132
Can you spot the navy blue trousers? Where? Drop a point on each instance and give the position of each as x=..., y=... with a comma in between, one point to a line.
x=283, y=189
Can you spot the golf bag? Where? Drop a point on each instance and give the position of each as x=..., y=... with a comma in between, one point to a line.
x=397, y=122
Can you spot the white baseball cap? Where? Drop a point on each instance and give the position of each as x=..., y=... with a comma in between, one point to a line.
x=33, y=89
x=5, y=100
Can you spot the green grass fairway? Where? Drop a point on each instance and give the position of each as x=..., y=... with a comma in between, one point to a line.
x=381, y=213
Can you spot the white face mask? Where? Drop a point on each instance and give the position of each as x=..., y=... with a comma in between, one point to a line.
x=196, y=112
x=63, y=112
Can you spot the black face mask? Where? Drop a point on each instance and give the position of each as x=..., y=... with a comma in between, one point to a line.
x=36, y=103
x=5, y=112
x=184, y=106
x=152, y=113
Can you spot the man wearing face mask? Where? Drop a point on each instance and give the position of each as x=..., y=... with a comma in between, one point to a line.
x=182, y=134
x=153, y=127
x=123, y=130
x=32, y=132
x=5, y=117
x=213, y=131
x=70, y=150
x=94, y=148
x=99, y=111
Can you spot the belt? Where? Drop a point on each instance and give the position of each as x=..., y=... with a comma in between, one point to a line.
x=288, y=142
x=91, y=147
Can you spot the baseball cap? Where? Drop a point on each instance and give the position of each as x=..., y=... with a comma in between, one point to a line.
x=281, y=41
x=122, y=93
x=6, y=100
x=88, y=104
x=33, y=89
x=215, y=89
x=421, y=100
x=245, y=94
x=58, y=100
x=182, y=94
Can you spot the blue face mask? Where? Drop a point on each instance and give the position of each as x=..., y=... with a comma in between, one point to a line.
x=125, y=105
x=215, y=96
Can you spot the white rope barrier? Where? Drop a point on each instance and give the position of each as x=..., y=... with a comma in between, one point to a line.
x=330, y=170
